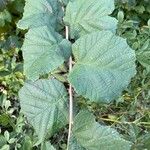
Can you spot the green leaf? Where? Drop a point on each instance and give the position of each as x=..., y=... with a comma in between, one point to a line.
x=143, y=55
x=40, y=12
x=43, y=52
x=93, y=136
x=104, y=66
x=11, y=42
x=86, y=16
x=2, y=141
x=47, y=146
x=18, y=68
x=4, y=73
x=5, y=16
x=44, y=103
x=144, y=59
x=5, y=119
x=3, y=4
x=27, y=143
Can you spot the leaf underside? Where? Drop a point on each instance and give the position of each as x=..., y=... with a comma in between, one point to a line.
x=44, y=103
x=93, y=136
x=43, y=52
x=86, y=16
x=104, y=66
x=39, y=13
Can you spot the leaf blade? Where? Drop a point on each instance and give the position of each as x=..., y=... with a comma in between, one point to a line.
x=85, y=16
x=94, y=136
x=44, y=103
x=104, y=66
x=39, y=13
x=42, y=51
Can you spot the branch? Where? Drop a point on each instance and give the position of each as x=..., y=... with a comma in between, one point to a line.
x=70, y=96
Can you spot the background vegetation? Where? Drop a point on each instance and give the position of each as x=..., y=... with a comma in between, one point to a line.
x=130, y=114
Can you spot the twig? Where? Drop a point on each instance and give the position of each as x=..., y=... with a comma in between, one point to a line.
x=70, y=96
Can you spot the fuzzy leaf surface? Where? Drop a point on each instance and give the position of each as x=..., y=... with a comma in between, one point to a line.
x=86, y=16
x=44, y=103
x=43, y=52
x=40, y=12
x=93, y=136
x=104, y=66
